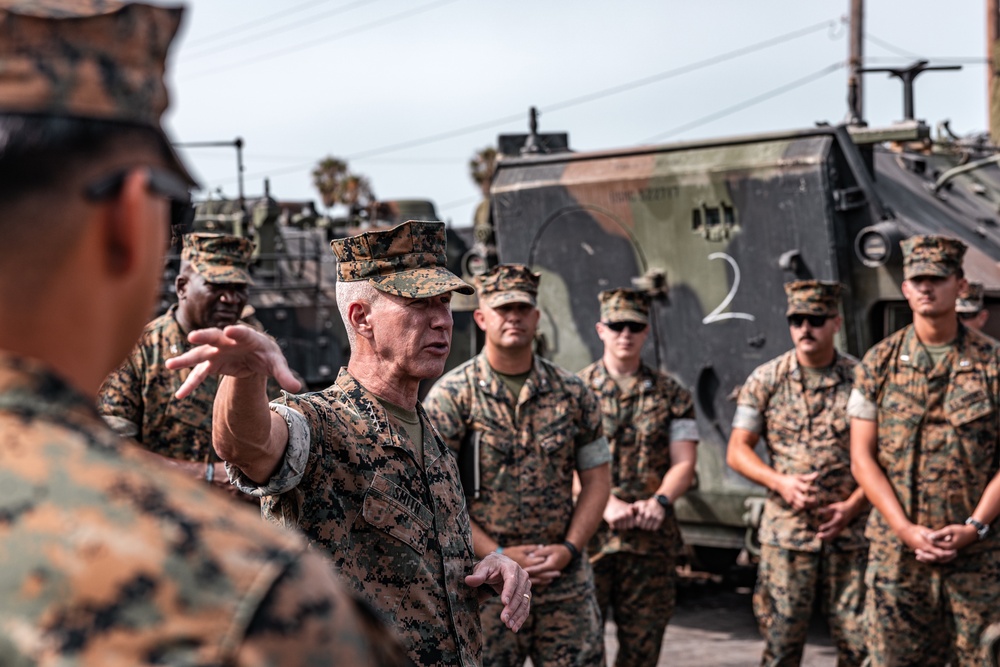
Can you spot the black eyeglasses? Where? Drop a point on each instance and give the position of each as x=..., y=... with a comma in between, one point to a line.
x=633, y=327
x=815, y=321
x=162, y=182
x=968, y=316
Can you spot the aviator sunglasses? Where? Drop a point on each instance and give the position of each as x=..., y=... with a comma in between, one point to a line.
x=633, y=327
x=815, y=321
x=161, y=182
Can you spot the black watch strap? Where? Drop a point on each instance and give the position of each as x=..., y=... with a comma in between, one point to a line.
x=663, y=500
x=982, y=529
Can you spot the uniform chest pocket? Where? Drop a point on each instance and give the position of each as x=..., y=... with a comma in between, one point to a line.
x=555, y=435
x=391, y=509
x=967, y=404
x=783, y=422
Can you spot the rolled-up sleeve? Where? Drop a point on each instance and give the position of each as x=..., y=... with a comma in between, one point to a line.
x=593, y=454
x=859, y=407
x=684, y=429
x=749, y=419
x=293, y=465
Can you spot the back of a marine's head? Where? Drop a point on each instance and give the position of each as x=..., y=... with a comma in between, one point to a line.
x=106, y=557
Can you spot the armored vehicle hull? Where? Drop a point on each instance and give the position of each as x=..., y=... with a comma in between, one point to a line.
x=730, y=221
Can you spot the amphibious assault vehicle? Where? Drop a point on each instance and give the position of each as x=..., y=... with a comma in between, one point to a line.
x=713, y=229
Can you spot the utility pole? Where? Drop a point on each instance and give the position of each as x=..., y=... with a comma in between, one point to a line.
x=993, y=71
x=856, y=62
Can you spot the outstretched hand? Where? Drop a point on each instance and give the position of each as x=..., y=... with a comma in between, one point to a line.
x=236, y=350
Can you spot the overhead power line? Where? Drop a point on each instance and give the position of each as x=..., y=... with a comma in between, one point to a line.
x=399, y=16
x=756, y=99
x=565, y=104
x=271, y=31
x=233, y=30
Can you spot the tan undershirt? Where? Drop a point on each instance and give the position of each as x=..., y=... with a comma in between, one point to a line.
x=409, y=421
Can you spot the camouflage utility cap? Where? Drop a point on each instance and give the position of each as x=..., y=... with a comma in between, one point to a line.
x=218, y=258
x=624, y=305
x=970, y=300
x=408, y=260
x=508, y=283
x=813, y=297
x=92, y=59
x=931, y=256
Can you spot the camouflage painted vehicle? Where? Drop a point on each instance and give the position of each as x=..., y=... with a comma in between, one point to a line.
x=294, y=290
x=715, y=228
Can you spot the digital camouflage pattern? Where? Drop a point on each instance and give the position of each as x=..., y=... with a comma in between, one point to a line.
x=803, y=422
x=937, y=428
x=788, y=582
x=137, y=399
x=805, y=429
x=970, y=299
x=568, y=632
x=96, y=59
x=390, y=514
x=624, y=305
x=633, y=569
x=529, y=450
x=938, y=447
x=109, y=560
x=218, y=258
x=408, y=260
x=812, y=297
x=642, y=591
x=507, y=283
x=931, y=256
x=930, y=615
x=637, y=424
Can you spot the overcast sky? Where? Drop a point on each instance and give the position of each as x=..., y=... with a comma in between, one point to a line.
x=408, y=90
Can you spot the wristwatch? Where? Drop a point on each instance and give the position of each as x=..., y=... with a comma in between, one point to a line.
x=982, y=529
x=663, y=500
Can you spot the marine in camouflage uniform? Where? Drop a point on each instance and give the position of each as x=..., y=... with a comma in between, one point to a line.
x=105, y=559
x=526, y=445
x=924, y=447
x=648, y=418
x=138, y=399
x=811, y=533
x=357, y=466
x=971, y=307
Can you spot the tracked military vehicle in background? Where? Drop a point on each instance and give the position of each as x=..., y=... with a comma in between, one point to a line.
x=714, y=229
x=294, y=274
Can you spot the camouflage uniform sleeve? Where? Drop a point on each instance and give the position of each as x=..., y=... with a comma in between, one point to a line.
x=752, y=403
x=293, y=465
x=120, y=398
x=683, y=425
x=592, y=447
x=861, y=404
x=306, y=618
x=444, y=407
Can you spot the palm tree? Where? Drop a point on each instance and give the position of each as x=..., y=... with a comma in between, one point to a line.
x=337, y=185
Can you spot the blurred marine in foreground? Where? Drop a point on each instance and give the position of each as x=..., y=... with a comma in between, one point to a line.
x=105, y=559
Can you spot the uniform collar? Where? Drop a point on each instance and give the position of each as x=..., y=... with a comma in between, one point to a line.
x=912, y=352
x=538, y=382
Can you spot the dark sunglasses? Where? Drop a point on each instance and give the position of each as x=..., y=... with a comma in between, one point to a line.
x=162, y=182
x=968, y=316
x=633, y=327
x=815, y=321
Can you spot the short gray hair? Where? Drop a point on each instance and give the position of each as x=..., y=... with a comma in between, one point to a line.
x=352, y=292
